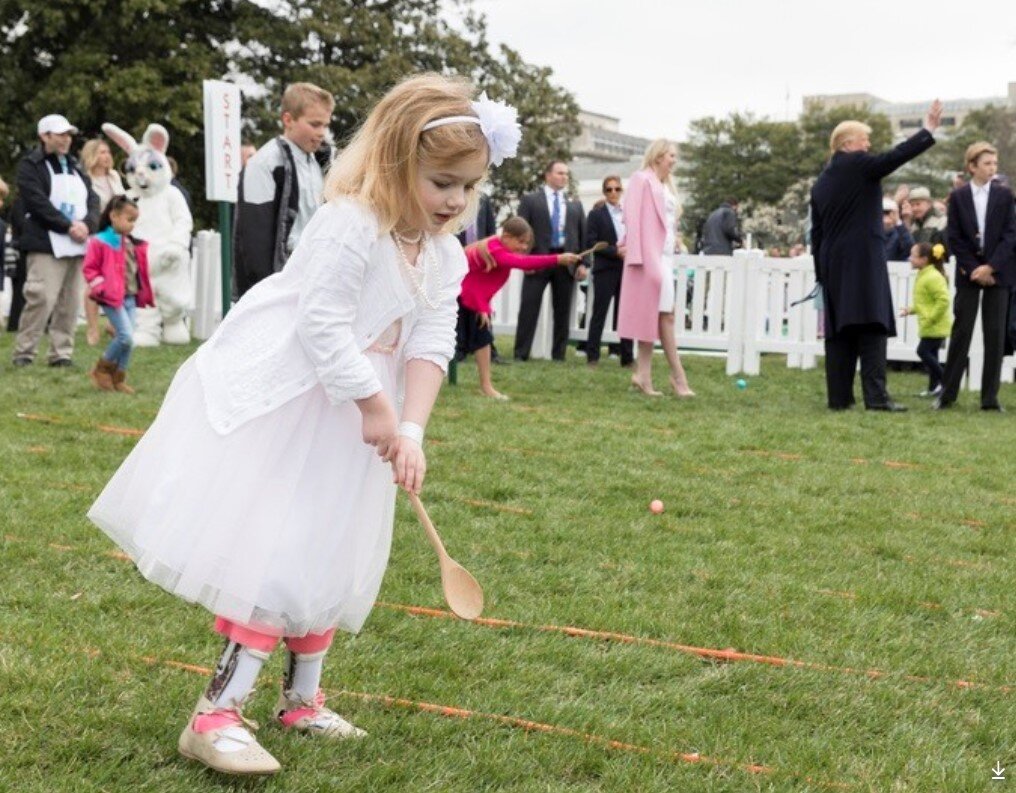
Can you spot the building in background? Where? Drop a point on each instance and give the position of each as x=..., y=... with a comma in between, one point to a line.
x=907, y=117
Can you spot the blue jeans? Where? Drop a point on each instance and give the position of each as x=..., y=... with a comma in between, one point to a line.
x=122, y=320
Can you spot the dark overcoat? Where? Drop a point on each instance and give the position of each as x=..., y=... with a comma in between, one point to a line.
x=847, y=239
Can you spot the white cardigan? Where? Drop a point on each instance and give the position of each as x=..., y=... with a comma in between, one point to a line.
x=311, y=323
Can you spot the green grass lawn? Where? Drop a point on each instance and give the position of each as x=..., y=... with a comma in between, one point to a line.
x=847, y=541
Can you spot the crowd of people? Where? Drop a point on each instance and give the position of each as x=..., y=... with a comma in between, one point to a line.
x=623, y=248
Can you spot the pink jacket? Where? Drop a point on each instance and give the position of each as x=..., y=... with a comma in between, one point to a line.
x=105, y=270
x=479, y=286
x=645, y=234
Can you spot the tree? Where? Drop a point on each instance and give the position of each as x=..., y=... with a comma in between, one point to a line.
x=359, y=52
x=134, y=62
x=751, y=160
x=131, y=62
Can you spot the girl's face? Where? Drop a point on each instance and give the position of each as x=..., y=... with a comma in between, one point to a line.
x=123, y=220
x=916, y=260
x=443, y=192
x=517, y=244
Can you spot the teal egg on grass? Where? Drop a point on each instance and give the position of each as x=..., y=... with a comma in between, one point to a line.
x=741, y=383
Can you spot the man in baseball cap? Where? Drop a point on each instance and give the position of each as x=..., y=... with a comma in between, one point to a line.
x=61, y=210
x=928, y=222
x=56, y=124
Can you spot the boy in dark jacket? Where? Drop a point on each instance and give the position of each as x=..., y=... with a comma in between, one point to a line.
x=281, y=186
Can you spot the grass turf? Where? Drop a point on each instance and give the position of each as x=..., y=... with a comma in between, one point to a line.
x=851, y=542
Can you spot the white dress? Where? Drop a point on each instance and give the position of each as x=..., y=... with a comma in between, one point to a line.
x=667, y=259
x=284, y=522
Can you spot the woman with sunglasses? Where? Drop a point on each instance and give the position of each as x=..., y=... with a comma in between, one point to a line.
x=606, y=224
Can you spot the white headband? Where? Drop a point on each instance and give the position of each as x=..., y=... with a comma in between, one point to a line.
x=498, y=122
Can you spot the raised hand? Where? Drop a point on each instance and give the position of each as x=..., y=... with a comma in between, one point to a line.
x=934, y=117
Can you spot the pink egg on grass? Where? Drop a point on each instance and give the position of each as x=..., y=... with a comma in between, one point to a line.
x=656, y=506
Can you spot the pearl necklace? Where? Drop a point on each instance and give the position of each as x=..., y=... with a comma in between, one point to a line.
x=409, y=240
x=427, y=263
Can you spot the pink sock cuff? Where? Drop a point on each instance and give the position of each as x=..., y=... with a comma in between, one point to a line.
x=311, y=643
x=246, y=635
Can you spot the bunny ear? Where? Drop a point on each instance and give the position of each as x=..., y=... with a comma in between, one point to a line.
x=119, y=137
x=157, y=137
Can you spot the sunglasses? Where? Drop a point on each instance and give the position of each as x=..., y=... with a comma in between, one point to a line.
x=612, y=190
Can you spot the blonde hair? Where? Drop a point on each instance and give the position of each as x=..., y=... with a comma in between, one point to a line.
x=4, y=189
x=297, y=97
x=380, y=165
x=90, y=153
x=846, y=131
x=975, y=150
x=654, y=152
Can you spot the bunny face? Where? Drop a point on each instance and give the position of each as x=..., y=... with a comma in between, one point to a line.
x=148, y=171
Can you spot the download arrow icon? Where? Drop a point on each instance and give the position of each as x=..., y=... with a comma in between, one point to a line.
x=998, y=771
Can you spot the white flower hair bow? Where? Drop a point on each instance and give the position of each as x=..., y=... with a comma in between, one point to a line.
x=499, y=123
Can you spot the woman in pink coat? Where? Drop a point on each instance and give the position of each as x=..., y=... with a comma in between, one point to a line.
x=647, y=298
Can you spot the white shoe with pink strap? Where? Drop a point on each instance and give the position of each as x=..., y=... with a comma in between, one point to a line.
x=224, y=740
x=312, y=717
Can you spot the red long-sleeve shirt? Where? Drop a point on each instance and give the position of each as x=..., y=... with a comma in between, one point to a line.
x=480, y=286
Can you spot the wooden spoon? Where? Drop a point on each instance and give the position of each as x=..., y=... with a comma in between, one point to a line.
x=462, y=592
x=599, y=246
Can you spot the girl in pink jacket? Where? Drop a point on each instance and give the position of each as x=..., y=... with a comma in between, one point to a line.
x=490, y=263
x=116, y=270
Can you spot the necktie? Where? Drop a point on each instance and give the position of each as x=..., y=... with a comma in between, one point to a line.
x=555, y=221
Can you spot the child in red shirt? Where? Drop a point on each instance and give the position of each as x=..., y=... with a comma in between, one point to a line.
x=490, y=263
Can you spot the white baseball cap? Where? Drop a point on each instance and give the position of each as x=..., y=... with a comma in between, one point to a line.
x=56, y=124
x=888, y=205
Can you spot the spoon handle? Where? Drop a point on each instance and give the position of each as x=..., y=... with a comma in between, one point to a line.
x=428, y=527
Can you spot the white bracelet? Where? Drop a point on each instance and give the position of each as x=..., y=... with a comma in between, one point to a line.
x=411, y=430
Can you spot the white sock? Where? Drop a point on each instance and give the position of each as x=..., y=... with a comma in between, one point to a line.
x=235, y=675
x=303, y=674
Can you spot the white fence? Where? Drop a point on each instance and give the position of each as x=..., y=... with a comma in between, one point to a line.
x=740, y=306
x=206, y=275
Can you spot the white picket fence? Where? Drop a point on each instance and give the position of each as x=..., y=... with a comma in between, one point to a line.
x=740, y=306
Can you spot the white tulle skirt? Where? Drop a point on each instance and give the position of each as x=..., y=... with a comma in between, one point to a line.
x=667, y=286
x=285, y=524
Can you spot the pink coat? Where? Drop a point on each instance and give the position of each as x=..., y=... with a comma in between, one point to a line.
x=105, y=270
x=645, y=234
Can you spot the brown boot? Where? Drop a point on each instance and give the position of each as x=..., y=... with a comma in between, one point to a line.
x=120, y=382
x=102, y=375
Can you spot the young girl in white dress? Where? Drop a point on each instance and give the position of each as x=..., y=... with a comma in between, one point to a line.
x=265, y=488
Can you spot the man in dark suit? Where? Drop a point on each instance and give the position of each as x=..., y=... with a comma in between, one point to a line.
x=850, y=262
x=720, y=233
x=982, y=234
x=606, y=224
x=558, y=227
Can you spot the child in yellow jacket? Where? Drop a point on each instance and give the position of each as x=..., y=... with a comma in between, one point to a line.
x=931, y=305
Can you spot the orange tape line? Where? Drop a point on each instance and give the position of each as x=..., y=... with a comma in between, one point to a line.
x=536, y=726
x=130, y=431
x=701, y=652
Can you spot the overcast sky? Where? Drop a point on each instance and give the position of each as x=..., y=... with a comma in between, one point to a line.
x=658, y=64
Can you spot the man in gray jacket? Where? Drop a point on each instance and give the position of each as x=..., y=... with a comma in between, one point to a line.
x=720, y=232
